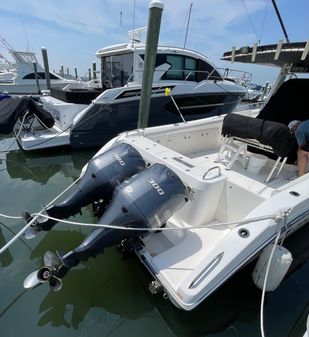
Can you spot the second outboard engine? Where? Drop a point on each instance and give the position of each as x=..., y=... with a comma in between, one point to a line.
x=146, y=200
x=102, y=175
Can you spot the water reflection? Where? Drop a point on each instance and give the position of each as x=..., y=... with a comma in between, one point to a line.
x=42, y=167
x=6, y=257
x=106, y=281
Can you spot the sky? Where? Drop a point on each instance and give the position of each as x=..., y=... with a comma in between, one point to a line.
x=73, y=30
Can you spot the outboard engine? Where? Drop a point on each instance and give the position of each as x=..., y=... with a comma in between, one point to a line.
x=146, y=200
x=102, y=175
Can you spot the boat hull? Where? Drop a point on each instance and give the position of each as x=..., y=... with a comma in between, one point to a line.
x=29, y=88
x=105, y=121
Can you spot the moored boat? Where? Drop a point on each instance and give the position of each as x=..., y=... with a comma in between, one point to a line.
x=196, y=201
x=197, y=88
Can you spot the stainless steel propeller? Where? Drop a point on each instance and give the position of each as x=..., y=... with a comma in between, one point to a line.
x=33, y=230
x=46, y=274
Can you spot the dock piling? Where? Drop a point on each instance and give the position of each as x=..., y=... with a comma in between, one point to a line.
x=153, y=29
x=46, y=67
x=35, y=68
x=94, y=70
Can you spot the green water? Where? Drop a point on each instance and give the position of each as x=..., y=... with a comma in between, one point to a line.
x=108, y=296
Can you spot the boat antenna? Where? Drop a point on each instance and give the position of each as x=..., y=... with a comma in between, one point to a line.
x=280, y=20
x=189, y=16
x=26, y=36
x=121, y=20
x=5, y=43
x=252, y=25
x=263, y=22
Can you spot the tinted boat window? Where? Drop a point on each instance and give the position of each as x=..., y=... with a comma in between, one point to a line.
x=206, y=70
x=176, y=70
x=190, y=67
x=41, y=76
x=116, y=70
x=186, y=68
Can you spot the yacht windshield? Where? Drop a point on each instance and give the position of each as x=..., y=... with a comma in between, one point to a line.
x=116, y=70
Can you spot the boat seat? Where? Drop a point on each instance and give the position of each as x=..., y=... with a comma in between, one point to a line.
x=239, y=147
x=267, y=136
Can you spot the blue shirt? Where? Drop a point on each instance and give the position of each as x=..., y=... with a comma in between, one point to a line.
x=302, y=133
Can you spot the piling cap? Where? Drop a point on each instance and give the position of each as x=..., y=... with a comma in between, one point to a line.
x=157, y=4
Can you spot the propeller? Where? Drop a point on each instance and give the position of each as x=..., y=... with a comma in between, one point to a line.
x=46, y=274
x=33, y=230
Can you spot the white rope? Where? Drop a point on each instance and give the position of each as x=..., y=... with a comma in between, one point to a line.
x=10, y=216
x=76, y=223
x=282, y=224
x=155, y=229
x=22, y=123
x=37, y=215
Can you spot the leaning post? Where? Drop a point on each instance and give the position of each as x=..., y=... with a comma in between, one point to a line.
x=153, y=29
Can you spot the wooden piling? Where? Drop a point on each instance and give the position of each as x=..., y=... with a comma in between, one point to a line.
x=153, y=29
x=46, y=67
x=35, y=68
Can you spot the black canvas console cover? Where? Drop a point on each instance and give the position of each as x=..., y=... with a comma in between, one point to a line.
x=44, y=116
x=12, y=108
x=274, y=134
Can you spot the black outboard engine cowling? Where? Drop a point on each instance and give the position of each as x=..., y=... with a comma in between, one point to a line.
x=102, y=175
x=146, y=200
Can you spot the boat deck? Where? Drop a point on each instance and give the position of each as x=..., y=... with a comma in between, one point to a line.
x=196, y=164
x=256, y=183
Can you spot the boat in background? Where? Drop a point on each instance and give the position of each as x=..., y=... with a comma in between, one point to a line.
x=257, y=92
x=197, y=90
x=20, y=78
x=5, y=65
x=195, y=201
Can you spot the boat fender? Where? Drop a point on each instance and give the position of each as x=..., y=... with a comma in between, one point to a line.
x=279, y=266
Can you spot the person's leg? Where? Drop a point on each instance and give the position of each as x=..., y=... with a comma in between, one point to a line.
x=302, y=161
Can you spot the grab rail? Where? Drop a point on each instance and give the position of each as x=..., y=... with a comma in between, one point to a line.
x=209, y=170
x=241, y=77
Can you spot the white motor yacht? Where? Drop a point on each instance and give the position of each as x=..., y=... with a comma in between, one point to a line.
x=197, y=90
x=20, y=78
